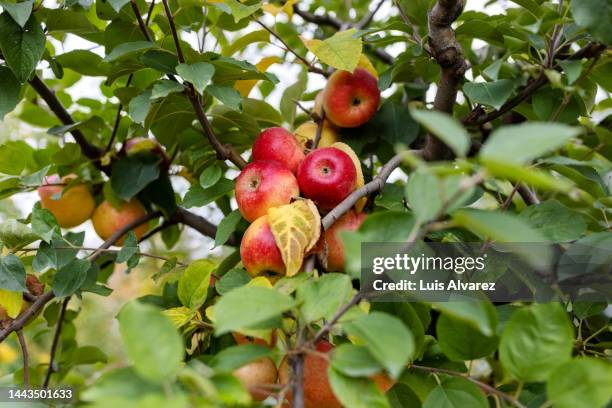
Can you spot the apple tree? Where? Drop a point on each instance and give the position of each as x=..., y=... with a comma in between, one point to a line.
x=237, y=157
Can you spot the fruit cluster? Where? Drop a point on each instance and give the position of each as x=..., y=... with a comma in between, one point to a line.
x=286, y=166
x=72, y=203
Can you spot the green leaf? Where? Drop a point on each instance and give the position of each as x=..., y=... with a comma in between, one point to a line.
x=493, y=94
x=535, y=341
x=595, y=16
x=10, y=91
x=55, y=255
x=198, y=196
x=320, y=299
x=128, y=49
x=247, y=39
x=12, y=274
x=84, y=62
x=242, y=10
x=445, y=128
x=117, y=5
x=128, y=249
x=555, y=221
x=580, y=383
x=233, y=279
x=22, y=47
x=292, y=94
x=380, y=333
x=194, y=282
x=44, y=224
x=402, y=396
x=199, y=74
x=152, y=343
x=70, y=277
x=226, y=227
x=456, y=392
x=460, y=341
x=356, y=392
x=479, y=315
x=12, y=160
x=529, y=175
x=132, y=174
x=15, y=234
x=235, y=357
x=572, y=69
x=499, y=226
x=522, y=143
x=210, y=176
x=354, y=361
x=163, y=88
x=341, y=51
x=248, y=306
x=139, y=106
x=20, y=12
x=226, y=95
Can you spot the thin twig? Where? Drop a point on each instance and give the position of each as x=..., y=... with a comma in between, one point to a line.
x=339, y=313
x=56, y=337
x=320, y=125
x=26, y=359
x=369, y=17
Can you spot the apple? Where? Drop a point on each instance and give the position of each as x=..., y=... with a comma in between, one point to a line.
x=280, y=145
x=350, y=100
x=318, y=103
x=335, y=248
x=327, y=176
x=138, y=145
x=258, y=251
x=263, y=185
x=36, y=288
x=307, y=132
x=317, y=390
x=107, y=218
x=255, y=376
x=70, y=208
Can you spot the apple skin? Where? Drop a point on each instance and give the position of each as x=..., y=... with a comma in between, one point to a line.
x=256, y=374
x=137, y=145
x=307, y=131
x=327, y=176
x=335, y=248
x=318, y=103
x=263, y=185
x=107, y=219
x=244, y=339
x=258, y=251
x=73, y=208
x=280, y=145
x=317, y=390
x=350, y=100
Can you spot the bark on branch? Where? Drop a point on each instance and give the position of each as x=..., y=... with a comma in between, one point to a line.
x=448, y=53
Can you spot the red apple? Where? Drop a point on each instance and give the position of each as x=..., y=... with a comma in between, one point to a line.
x=107, y=218
x=137, y=145
x=280, y=145
x=350, y=100
x=258, y=251
x=257, y=377
x=327, y=176
x=244, y=339
x=71, y=208
x=335, y=248
x=263, y=185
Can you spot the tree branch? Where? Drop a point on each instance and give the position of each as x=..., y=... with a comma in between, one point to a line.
x=448, y=53
x=89, y=150
x=26, y=359
x=56, y=337
x=328, y=326
x=202, y=225
x=367, y=19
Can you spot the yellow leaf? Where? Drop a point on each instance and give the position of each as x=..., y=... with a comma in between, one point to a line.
x=341, y=50
x=365, y=63
x=8, y=355
x=11, y=302
x=275, y=10
x=179, y=315
x=245, y=86
x=359, y=182
x=296, y=228
x=260, y=281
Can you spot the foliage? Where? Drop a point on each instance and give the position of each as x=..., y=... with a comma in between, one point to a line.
x=498, y=129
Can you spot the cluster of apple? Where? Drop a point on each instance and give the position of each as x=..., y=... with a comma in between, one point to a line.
x=72, y=203
x=281, y=171
x=259, y=374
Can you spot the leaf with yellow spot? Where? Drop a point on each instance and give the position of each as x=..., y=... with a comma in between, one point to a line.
x=296, y=228
x=180, y=316
x=11, y=302
x=245, y=86
x=341, y=51
x=365, y=63
x=359, y=181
